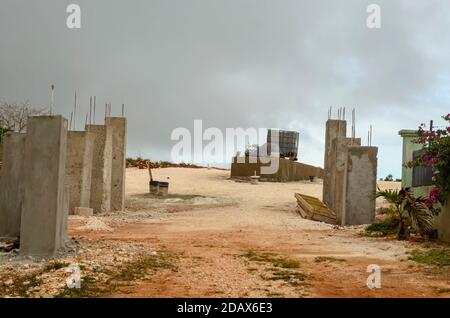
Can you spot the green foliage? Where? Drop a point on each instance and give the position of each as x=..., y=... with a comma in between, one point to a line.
x=3, y=132
x=438, y=257
x=409, y=210
x=269, y=258
x=436, y=154
x=389, y=177
x=323, y=259
x=386, y=227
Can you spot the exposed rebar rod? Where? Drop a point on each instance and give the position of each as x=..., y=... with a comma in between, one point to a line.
x=75, y=112
x=90, y=110
x=52, y=98
x=95, y=101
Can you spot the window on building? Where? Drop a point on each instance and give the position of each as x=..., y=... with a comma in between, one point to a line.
x=422, y=176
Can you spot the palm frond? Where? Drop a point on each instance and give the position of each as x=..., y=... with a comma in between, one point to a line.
x=419, y=214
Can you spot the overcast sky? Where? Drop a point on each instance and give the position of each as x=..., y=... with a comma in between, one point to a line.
x=234, y=63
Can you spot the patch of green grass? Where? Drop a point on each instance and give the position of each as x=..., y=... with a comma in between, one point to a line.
x=438, y=257
x=255, y=257
x=142, y=266
x=23, y=283
x=321, y=259
x=443, y=290
x=386, y=227
x=89, y=288
x=390, y=210
x=286, y=263
x=55, y=265
x=271, y=258
x=282, y=269
x=293, y=278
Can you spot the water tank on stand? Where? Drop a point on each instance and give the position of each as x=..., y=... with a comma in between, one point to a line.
x=287, y=142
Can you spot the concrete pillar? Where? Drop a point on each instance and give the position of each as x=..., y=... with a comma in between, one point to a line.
x=100, y=199
x=79, y=157
x=334, y=129
x=43, y=184
x=11, y=193
x=360, y=185
x=119, y=139
x=408, y=149
x=65, y=218
x=337, y=172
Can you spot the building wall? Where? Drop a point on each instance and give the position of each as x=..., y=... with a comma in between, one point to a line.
x=288, y=170
x=334, y=129
x=79, y=168
x=42, y=220
x=119, y=140
x=443, y=223
x=360, y=185
x=11, y=194
x=100, y=199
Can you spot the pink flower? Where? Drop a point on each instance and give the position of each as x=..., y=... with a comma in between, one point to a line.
x=432, y=197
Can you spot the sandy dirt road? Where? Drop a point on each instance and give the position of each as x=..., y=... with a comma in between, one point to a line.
x=234, y=239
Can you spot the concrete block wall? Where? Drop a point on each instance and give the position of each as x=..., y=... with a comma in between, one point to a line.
x=349, y=177
x=43, y=212
x=443, y=222
x=288, y=170
x=79, y=155
x=119, y=137
x=100, y=199
x=11, y=194
x=337, y=171
x=359, y=185
x=334, y=129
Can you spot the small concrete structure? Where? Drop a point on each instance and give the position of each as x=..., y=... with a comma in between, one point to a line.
x=11, y=175
x=359, y=186
x=337, y=171
x=245, y=167
x=84, y=211
x=100, y=199
x=43, y=212
x=119, y=138
x=350, y=176
x=79, y=156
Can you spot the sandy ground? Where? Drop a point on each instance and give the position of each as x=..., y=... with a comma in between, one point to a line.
x=234, y=239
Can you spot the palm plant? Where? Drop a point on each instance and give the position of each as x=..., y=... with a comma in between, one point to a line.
x=410, y=211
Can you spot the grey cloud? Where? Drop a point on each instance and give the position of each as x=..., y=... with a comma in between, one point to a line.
x=234, y=63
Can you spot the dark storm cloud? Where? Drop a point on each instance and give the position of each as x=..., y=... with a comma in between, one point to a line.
x=234, y=63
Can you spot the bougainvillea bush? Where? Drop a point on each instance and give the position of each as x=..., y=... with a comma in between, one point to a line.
x=436, y=154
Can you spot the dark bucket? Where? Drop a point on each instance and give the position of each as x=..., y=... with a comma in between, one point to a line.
x=154, y=187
